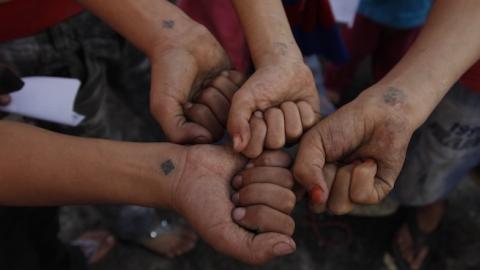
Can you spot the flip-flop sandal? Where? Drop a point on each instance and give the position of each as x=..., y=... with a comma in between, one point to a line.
x=330, y=233
x=420, y=240
x=95, y=245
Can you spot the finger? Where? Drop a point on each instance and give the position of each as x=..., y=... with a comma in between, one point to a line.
x=308, y=167
x=171, y=89
x=236, y=77
x=241, y=109
x=272, y=158
x=258, y=128
x=261, y=218
x=216, y=102
x=5, y=100
x=309, y=117
x=275, y=129
x=339, y=200
x=330, y=171
x=274, y=175
x=293, y=121
x=277, y=197
x=362, y=189
x=9, y=81
x=201, y=115
x=224, y=85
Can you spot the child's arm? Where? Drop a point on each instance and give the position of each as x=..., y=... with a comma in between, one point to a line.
x=183, y=56
x=280, y=75
x=379, y=123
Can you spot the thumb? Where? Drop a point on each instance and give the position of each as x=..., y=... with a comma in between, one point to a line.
x=242, y=108
x=309, y=164
x=171, y=91
x=250, y=248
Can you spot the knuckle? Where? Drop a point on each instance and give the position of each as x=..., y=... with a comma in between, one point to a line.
x=290, y=226
x=338, y=209
x=290, y=200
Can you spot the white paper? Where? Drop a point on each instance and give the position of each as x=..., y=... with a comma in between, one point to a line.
x=47, y=98
x=345, y=10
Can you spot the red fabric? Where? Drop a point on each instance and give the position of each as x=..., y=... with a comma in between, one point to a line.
x=310, y=14
x=386, y=46
x=220, y=17
x=21, y=18
x=471, y=79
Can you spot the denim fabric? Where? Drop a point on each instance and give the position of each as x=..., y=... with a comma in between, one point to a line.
x=443, y=150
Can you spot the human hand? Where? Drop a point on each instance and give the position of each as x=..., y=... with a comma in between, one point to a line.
x=372, y=127
x=286, y=94
x=210, y=107
x=203, y=196
x=264, y=198
x=180, y=68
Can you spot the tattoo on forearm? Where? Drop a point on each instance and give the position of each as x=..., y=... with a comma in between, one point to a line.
x=168, y=167
x=169, y=24
x=281, y=48
x=394, y=96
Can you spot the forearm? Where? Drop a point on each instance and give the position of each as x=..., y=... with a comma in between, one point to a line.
x=447, y=46
x=267, y=30
x=38, y=167
x=148, y=24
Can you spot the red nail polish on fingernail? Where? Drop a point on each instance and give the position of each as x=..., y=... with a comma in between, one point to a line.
x=316, y=194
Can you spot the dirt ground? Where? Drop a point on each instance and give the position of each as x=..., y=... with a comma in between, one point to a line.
x=324, y=242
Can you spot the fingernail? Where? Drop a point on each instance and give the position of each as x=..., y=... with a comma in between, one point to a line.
x=236, y=197
x=236, y=142
x=237, y=181
x=356, y=162
x=249, y=165
x=188, y=105
x=369, y=162
x=225, y=73
x=201, y=140
x=258, y=114
x=238, y=213
x=282, y=249
x=316, y=194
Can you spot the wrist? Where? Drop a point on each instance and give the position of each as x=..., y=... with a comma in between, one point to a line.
x=144, y=173
x=278, y=54
x=396, y=99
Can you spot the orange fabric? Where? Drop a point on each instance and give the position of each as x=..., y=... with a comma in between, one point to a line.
x=21, y=18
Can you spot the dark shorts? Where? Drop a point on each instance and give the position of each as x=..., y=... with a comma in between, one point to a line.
x=443, y=150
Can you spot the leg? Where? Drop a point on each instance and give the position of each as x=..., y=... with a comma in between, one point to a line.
x=440, y=154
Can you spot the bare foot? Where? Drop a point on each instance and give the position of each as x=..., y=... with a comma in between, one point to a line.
x=414, y=258
x=171, y=242
x=95, y=245
x=428, y=219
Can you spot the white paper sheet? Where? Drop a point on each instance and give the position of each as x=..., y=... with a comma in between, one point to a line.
x=345, y=10
x=47, y=98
